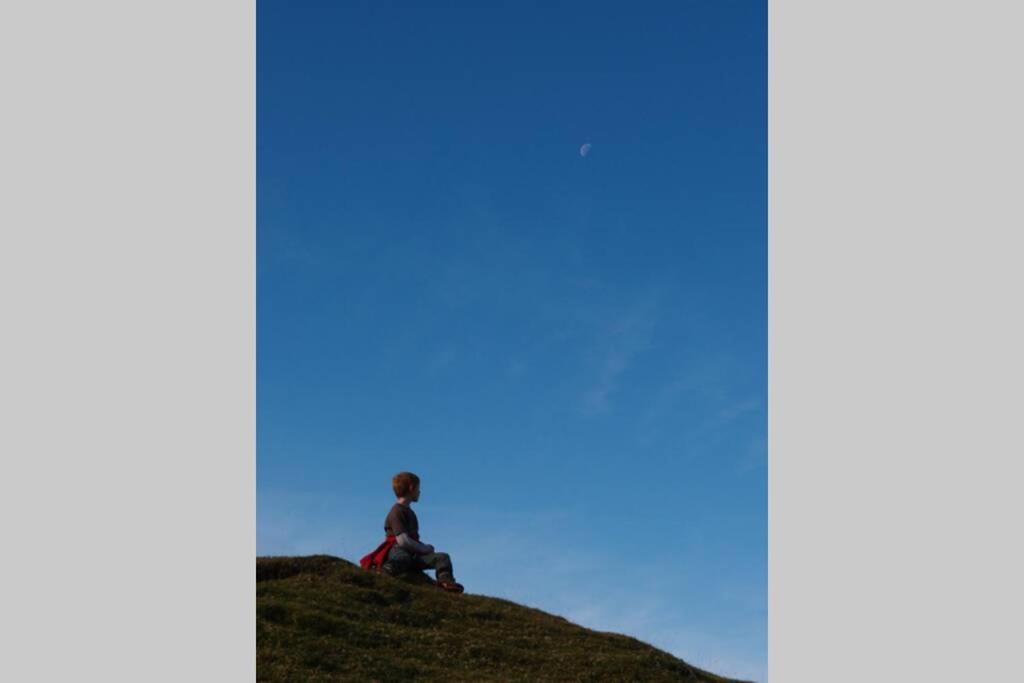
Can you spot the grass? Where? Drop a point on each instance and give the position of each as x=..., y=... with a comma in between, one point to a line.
x=321, y=618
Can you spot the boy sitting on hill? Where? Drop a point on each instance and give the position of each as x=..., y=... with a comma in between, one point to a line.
x=402, y=550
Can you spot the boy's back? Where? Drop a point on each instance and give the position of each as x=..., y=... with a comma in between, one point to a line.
x=402, y=520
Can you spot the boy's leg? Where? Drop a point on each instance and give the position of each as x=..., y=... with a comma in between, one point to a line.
x=399, y=561
x=441, y=563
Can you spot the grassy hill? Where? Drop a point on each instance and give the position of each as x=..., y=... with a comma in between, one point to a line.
x=320, y=618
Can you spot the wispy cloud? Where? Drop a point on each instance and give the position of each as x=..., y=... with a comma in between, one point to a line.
x=516, y=368
x=704, y=389
x=754, y=457
x=622, y=338
x=737, y=408
x=441, y=359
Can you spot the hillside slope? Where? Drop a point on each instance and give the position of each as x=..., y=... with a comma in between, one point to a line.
x=320, y=618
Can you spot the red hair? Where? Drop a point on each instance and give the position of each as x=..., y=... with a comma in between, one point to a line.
x=403, y=483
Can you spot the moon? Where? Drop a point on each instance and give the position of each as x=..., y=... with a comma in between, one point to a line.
x=585, y=149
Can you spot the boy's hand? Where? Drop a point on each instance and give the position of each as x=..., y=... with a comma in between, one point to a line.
x=430, y=549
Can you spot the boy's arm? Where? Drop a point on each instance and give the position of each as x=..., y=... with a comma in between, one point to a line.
x=407, y=542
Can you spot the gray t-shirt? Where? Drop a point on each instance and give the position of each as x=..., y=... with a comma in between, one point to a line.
x=402, y=520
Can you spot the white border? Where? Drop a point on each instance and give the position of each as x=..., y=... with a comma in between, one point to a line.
x=127, y=357
x=895, y=341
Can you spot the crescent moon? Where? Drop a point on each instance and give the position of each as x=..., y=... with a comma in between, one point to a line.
x=585, y=149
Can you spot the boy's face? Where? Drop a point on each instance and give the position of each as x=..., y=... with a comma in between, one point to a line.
x=414, y=495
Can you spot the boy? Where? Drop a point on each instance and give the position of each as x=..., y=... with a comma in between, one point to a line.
x=402, y=550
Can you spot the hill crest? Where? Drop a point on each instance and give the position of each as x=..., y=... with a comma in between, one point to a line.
x=322, y=618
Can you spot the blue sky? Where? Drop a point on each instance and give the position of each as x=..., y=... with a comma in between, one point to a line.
x=570, y=350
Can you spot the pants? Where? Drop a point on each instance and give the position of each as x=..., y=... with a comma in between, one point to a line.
x=401, y=561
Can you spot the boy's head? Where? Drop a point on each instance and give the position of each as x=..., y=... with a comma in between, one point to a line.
x=406, y=485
